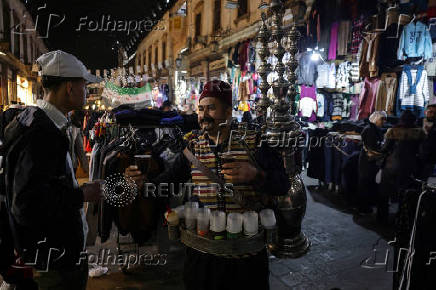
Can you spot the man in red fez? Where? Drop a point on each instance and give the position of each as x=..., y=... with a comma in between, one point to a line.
x=263, y=175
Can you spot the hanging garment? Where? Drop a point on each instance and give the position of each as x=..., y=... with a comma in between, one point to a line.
x=368, y=97
x=413, y=91
x=386, y=97
x=430, y=65
x=332, y=76
x=307, y=69
x=333, y=41
x=354, y=72
x=346, y=107
x=415, y=41
x=322, y=80
x=343, y=37
x=320, y=105
x=338, y=105
x=308, y=92
x=356, y=34
x=343, y=75
x=369, y=54
x=354, y=109
x=389, y=43
x=308, y=108
x=313, y=26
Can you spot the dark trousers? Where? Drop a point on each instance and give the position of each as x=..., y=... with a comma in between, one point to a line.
x=208, y=272
x=63, y=280
x=367, y=186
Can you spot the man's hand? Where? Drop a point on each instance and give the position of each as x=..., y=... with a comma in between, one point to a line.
x=133, y=172
x=239, y=172
x=92, y=192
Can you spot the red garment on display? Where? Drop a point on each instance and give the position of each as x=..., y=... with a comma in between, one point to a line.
x=368, y=97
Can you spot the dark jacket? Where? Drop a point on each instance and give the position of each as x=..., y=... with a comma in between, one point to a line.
x=428, y=148
x=43, y=203
x=402, y=148
x=372, y=138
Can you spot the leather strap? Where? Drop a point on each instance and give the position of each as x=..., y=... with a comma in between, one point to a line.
x=206, y=171
x=237, y=197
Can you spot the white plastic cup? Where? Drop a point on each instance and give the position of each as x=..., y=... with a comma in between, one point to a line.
x=218, y=221
x=191, y=204
x=234, y=225
x=203, y=217
x=267, y=218
x=251, y=223
x=190, y=213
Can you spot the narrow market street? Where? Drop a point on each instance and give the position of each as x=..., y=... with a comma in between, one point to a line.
x=339, y=246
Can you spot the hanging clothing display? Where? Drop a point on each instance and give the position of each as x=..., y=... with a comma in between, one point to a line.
x=413, y=91
x=343, y=37
x=320, y=105
x=326, y=76
x=415, y=41
x=369, y=54
x=308, y=105
x=343, y=75
x=387, y=92
x=389, y=43
x=430, y=65
x=333, y=41
x=356, y=34
x=338, y=106
x=368, y=97
x=307, y=69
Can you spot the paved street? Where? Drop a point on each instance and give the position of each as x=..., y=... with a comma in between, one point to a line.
x=340, y=242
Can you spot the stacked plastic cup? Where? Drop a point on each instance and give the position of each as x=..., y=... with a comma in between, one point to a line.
x=268, y=218
x=218, y=225
x=203, y=217
x=268, y=221
x=251, y=223
x=191, y=215
x=234, y=225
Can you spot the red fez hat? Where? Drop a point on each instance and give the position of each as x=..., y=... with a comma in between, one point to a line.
x=218, y=89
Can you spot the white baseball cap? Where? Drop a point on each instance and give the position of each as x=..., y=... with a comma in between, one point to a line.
x=61, y=64
x=432, y=102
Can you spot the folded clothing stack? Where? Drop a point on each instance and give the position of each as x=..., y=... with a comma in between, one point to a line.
x=126, y=115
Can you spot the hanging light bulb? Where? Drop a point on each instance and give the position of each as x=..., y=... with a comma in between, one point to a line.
x=315, y=56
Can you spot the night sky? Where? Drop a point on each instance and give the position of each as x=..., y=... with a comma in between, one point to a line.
x=97, y=49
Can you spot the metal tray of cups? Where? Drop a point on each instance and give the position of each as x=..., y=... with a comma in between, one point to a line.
x=239, y=248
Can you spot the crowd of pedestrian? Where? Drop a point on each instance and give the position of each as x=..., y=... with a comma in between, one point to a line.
x=390, y=162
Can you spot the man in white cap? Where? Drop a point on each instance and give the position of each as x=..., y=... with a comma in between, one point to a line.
x=44, y=198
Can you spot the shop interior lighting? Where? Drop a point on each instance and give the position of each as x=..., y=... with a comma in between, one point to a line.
x=316, y=53
x=2, y=53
